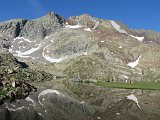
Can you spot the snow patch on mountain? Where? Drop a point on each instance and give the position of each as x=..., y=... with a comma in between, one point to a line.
x=40, y=114
x=135, y=63
x=48, y=91
x=22, y=38
x=46, y=37
x=12, y=109
x=117, y=113
x=52, y=60
x=138, y=38
x=133, y=98
x=98, y=118
x=73, y=26
x=96, y=23
x=27, y=52
x=21, y=56
x=102, y=41
x=20, y=41
x=85, y=53
x=120, y=47
x=46, y=57
x=118, y=27
x=30, y=100
x=126, y=77
x=88, y=29
x=13, y=105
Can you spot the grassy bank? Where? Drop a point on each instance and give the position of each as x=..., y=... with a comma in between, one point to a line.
x=137, y=85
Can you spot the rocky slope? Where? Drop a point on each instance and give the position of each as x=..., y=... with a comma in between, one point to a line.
x=51, y=39
x=54, y=55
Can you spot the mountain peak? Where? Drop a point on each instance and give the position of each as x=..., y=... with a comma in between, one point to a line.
x=51, y=13
x=84, y=19
x=85, y=15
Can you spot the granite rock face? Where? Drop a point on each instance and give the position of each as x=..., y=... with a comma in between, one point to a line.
x=42, y=27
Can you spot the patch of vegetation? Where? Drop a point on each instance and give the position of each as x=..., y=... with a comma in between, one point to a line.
x=3, y=92
x=136, y=85
x=101, y=27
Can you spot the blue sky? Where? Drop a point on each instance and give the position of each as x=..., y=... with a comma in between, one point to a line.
x=134, y=13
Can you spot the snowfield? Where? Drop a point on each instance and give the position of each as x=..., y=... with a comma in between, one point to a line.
x=120, y=47
x=19, y=53
x=96, y=25
x=73, y=26
x=88, y=29
x=22, y=38
x=138, y=38
x=117, y=27
x=52, y=60
x=126, y=77
x=11, y=109
x=95, y=21
x=133, y=98
x=30, y=100
x=25, y=54
x=48, y=91
x=135, y=63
